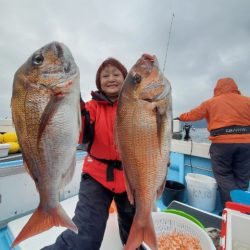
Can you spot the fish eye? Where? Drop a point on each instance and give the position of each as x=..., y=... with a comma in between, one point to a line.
x=37, y=59
x=136, y=78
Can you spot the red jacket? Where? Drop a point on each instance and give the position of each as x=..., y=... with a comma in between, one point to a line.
x=102, y=116
x=227, y=108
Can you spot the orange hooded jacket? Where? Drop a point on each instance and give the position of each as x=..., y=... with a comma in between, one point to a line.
x=227, y=108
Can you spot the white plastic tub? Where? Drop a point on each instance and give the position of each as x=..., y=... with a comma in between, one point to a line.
x=201, y=191
x=4, y=149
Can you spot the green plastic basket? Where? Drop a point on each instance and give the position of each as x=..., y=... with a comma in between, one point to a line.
x=186, y=215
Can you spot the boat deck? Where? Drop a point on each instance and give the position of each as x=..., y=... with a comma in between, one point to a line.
x=111, y=234
x=46, y=238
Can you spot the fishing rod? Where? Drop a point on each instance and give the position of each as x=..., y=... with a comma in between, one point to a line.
x=169, y=35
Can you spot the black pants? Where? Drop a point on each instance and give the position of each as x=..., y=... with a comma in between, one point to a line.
x=91, y=215
x=231, y=167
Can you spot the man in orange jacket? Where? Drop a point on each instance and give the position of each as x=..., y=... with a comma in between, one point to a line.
x=228, y=117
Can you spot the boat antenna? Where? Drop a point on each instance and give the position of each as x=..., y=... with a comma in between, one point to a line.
x=169, y=35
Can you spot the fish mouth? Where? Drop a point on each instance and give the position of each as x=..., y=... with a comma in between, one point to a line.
x=148, y=57
x=148, y=60
x=145, y=65
x=67, y=65
x=60, y=76
x=61, y=79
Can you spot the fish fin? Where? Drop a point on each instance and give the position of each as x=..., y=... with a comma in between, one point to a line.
x=141, y=233
x=67, y=177
x=163, y=104
x=41, y=221
x=160, y=109
x=161, y=189
x=48, y=112
x=128, y=189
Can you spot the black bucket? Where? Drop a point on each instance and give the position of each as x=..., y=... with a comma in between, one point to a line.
x=173, y=191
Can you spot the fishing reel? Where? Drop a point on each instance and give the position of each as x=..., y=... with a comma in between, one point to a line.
x=187, y=127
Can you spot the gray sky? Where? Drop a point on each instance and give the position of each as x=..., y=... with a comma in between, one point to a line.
x=209, y=40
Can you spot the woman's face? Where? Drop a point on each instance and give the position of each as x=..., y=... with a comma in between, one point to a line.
x=111, y=79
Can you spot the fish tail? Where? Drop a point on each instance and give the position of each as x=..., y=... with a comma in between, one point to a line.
x=41, y=221
x=141, y=233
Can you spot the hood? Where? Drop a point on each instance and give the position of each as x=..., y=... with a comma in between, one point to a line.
x=225, y=86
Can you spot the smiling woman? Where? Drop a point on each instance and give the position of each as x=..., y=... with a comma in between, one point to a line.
x=109, y=77
x=111, y=81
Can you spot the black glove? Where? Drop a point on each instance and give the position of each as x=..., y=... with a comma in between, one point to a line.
x=82, y=103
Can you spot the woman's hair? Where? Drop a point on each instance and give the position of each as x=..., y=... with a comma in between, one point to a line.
x=113, y=62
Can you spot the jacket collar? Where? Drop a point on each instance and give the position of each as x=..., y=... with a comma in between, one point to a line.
x=101, y=97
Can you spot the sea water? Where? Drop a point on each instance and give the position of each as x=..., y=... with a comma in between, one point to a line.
x=199, y=135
